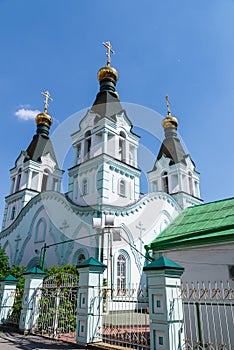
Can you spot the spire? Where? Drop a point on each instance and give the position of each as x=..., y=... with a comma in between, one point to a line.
x=44, y=120
x=171, y=146
x=107, y=100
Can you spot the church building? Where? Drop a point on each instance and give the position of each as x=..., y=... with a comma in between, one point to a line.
x=103, y=214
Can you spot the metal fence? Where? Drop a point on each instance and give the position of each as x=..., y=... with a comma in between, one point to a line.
x=125, y=317
x=208, y=315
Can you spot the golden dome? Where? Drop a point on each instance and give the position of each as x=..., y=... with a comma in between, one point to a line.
x=44, y=118
x=170, y=121
x=107, y=72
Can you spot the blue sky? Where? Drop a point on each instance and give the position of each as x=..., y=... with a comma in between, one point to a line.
x=181, y=48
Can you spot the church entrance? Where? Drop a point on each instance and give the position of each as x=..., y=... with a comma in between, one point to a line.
x=56, y=307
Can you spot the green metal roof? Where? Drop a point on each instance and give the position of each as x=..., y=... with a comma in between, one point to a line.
x=35, y=270
x=9, y=278
x=163, y=263
x=91, y=262
x=206, y=223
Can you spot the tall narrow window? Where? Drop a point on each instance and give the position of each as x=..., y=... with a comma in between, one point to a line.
x=17, y=187
x=122, y=188
x=13, y=212
x=121, y=272
x=78, y=151
x=44, y=181
x=85, y=187
x=165, y=182
x=190, y=183
x=87, y=147
x=122, y=138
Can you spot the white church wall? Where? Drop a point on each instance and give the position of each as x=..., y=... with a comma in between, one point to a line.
x=204, y=263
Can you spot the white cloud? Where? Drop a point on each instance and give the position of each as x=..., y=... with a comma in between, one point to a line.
x=26, y=114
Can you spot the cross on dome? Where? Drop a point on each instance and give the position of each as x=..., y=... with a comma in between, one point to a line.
x=107, y=44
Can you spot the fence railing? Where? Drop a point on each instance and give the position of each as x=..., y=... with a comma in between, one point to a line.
x=208, y=315
x=125, y=317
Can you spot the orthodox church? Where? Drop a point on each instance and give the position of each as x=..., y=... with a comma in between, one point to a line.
x=103, y=214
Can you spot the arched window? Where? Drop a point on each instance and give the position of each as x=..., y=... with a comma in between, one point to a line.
x=44, y=180
x=13, y=213
x=121, y=272
x=190, y=183
x=85, y=187
x=122, y=140
x=17, y=187
x=122, y=188
x=87, y=145
x=81, y=258
x=165, y=182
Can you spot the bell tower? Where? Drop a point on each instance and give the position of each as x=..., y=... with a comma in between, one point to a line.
x=36, y=169
x=174, y=172
x=105, y=149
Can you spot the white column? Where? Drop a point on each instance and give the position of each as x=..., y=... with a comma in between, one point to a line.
x=104, y=141
x=29, y=178
x=33, y=280
x=89, y=310
x=7, y=297
x=165, y=303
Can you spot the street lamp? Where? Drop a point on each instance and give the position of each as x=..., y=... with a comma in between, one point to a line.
x=105, y=226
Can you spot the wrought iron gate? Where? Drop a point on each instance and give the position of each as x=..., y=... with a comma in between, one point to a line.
x=56, y=307
x=125, y=317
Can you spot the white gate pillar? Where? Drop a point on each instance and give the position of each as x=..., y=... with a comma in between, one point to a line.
x=89, y=308
x=165, y=303
x=7, y=297
x=33, y=279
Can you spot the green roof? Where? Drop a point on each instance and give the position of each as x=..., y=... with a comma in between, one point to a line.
x=9, y=278
x=91, y=262
x=35, y=270
x=163, y=263
x=205, y=223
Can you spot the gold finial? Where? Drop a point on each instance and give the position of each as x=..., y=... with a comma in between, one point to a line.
x=107, y=44
x=168, y=105
x=47, y=98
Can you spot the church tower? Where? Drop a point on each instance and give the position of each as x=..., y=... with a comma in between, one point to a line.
x=36, y=169
x=174, y=171
x=105, y=149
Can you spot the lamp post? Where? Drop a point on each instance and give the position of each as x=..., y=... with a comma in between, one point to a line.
x=105, y=226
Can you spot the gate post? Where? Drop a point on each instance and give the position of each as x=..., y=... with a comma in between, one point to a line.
x=7, y=297
x=165, y=303
x=33, y=279
x=89, y=308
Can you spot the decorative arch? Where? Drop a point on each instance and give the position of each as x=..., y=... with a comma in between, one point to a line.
x=40, y=230
x=34, y=262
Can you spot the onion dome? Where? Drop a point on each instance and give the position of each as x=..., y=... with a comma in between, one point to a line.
x=107, y=72
x=44, y=120
x=169, y=121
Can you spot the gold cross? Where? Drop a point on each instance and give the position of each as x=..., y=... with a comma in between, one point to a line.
x=47, y=98
x=107, y=44
x=168, y=105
